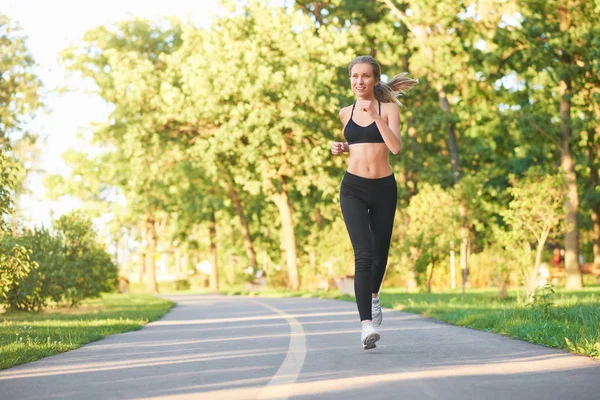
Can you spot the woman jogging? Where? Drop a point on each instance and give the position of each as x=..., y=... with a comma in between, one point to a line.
x=368, y=192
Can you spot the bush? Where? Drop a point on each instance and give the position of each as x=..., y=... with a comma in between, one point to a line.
x=37, y=267
x=198, y=281
x=173, y=286
x=535, y=213
x=48, y=252
x=17, y=291
x=433, y=225
x=18, y=288
x=88, y=268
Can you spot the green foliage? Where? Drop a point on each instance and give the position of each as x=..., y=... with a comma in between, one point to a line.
x=52, y=276
x=19, y=86
x=543, y=297
x=277, y=96
x=18, y=289
x=38, y=267
x=129, y=64
x=433, y=225
x=90, y=269
x=534, y=213
x=249, y=106
x=8, y=176
x=19, y=102
x=536, y=206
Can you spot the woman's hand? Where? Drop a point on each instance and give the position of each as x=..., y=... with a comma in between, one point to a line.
x=338, y=148
x=368, y=106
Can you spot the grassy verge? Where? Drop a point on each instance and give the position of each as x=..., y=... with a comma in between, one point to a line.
x=567, y=320
x=25, y=337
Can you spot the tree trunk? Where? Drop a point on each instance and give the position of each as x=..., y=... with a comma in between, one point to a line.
x=430, y=277
x=592, y=153
x=239, y=209
x=288, y=236
x=452, y=267
x=404, y=59
x=185, y=262
x=372, y=46
x=315, y=11
x=596, y=235
x=142, y=271
x=451, y=131
x=454, y=160
x=574, y=280
x=195, y=260
x=212, y=234
x=150, y=260
x=464, y=244
x=536, y=266
x=177, y=261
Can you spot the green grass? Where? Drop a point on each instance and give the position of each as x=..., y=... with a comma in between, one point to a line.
x=25, y=336
x=567, y=320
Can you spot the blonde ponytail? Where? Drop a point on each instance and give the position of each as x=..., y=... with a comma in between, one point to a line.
x=399, y=85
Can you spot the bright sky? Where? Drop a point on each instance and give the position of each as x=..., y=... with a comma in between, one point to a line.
x=50, y=27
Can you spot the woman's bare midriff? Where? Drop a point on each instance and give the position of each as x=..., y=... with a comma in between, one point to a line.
x=369, y=160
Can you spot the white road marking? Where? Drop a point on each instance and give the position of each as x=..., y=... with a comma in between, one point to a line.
x=280, y=385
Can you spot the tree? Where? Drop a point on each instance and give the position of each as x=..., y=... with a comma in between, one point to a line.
x=278, y=97
x=128, y=65
x=587, y=103
x=200, y=199
x=15, y=262
x=19, y=103
x=181, y=109
x=19, y=86
x=434, y=33
x=593, y=188
x=432, y=226
x=550, y=45
x=377, y=35
x=8, y=172
x=534, y=212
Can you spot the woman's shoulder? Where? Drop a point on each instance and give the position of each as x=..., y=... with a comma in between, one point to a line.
x=390, y=107
x=346, y=109
x=345, y=113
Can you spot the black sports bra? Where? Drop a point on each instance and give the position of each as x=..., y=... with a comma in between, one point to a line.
x=355, y=133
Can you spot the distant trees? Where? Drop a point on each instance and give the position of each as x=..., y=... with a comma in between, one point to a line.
x=216, y=147
x=36, y=266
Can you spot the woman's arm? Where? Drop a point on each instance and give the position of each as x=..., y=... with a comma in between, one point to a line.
x=390, y=130
x=344, y=119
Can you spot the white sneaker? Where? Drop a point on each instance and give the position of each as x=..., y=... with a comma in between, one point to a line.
x=369, y=336
x=376, y=313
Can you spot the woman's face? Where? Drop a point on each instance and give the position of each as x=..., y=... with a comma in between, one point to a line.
x=362, y=80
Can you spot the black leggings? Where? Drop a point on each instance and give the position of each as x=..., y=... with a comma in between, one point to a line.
x=368, y=207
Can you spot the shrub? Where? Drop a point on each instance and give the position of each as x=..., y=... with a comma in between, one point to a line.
x=48, y=252
x=88, y=268
x=534, y=214
x=433, y=225
x=18, y=287
x=18, y=290
x=37, y=267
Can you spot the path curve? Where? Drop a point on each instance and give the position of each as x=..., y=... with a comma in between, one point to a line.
x=220, y=347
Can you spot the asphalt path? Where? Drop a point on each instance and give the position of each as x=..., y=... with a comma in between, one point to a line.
x=219, y=347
